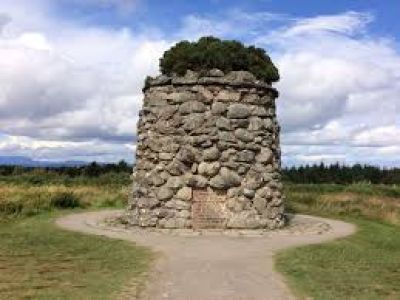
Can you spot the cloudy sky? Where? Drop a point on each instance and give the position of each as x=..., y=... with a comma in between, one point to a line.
x=71, y=74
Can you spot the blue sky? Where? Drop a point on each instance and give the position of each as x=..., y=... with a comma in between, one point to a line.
x=71, y=72
x=167, y=14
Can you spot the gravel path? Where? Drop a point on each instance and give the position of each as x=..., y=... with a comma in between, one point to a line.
x=214, y=266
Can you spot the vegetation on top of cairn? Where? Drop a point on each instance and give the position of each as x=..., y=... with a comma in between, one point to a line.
x=212, y=53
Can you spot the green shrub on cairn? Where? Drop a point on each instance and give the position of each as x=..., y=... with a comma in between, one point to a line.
x=212, y=53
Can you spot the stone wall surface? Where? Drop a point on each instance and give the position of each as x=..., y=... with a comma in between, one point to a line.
x=207, y=154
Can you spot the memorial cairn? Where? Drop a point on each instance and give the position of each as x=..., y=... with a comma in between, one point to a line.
x=208, y=153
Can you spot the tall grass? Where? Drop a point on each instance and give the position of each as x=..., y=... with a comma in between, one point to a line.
x=25, y=200
x=39, y=177
x=376, y=202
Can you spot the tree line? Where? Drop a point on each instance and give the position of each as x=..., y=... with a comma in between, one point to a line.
x=317, y=173
x=341, y=174
x=92, y=169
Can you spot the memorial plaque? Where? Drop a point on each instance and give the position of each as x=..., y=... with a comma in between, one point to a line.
x=208, y=209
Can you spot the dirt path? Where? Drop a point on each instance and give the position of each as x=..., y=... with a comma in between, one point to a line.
x=212, y=266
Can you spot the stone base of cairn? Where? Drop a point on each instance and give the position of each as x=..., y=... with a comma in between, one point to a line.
x=208, y=154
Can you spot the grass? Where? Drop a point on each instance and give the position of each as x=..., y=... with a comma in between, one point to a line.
x=40, y=261
x=18, y=199
x=363, y=266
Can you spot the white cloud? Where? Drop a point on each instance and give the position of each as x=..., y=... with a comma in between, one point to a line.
x=73, y=91
x=346, y=23
x=386, y=136
x=236, y=24
x=83, y=83
x=64, y=151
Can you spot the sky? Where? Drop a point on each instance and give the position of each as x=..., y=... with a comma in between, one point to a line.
x=71, y=73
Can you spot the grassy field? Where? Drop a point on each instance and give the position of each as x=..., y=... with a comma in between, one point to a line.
x=40, y=261
x=24, y=199
x=363, y=266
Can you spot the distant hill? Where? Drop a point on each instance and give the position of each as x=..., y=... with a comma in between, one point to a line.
x=28, y=162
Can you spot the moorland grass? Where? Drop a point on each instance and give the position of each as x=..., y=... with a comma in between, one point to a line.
x=363, y=266
x=22, y=199
x=40, y=261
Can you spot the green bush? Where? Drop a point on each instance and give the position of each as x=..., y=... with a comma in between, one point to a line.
x=210, y=52
x=65, y=200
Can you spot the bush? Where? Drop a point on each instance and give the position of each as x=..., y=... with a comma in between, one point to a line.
x=64, y=200
x=210, y=52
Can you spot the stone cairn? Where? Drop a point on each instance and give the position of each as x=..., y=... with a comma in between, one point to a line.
x=208, y=154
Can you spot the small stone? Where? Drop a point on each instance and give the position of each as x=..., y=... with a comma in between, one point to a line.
x=184, y=194
x=242, y=123
x=277, y=201
x=209, y=169
x=166, y=112
x=204, y=94
x=185, y=214
x=223, y=123
x=161, y=212
x=181, y=97
x=268, y=124
x=228, y=154
x=166, y=156
x=191, y=77
x=186, y=155
x=159, y=80
x=196, y=181
x=192, y=107
x=244, y=135
x=251, y=99
x=260, y=111
x=175, y=182
x=175, y=223
x=226, y=136
x=218, y=108
x=215, y=73
x=157, y=180
x=243, y=169
x=147, y=202
x=235, y=204
x=206, y=144
x=225, y=179
x=211, y=154
x=238, y=111
x=249, y=193
x=253, y=183
x=274, y=212
x=265, y=156
x=245, y=156
x=233, y=192
x=260, y=204
x=176, y=167
x=177, y=204
x=255, y=124
x=146, y=221
x=228, y=96
x=240, y=77
x=218, y=182
x=265, y=193
x=193, y=121
x=164, y=193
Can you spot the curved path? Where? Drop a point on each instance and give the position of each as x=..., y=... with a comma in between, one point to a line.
x=211, y=267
